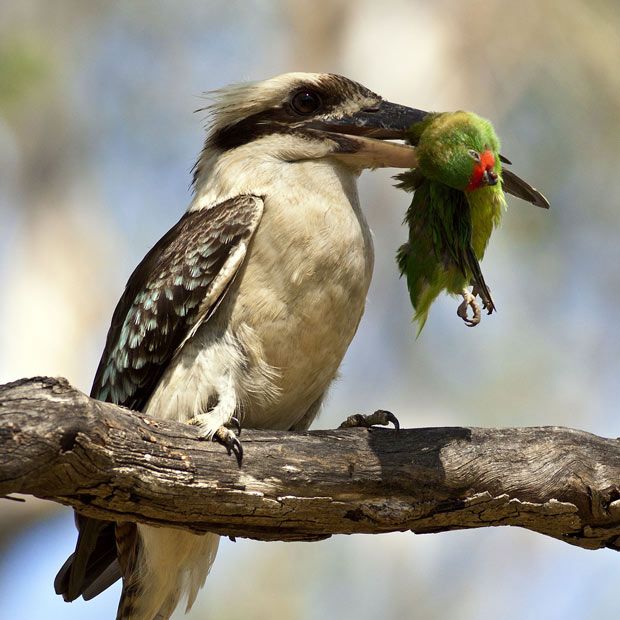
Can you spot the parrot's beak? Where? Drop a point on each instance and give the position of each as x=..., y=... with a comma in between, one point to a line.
x=362, y=135
x=489, y=177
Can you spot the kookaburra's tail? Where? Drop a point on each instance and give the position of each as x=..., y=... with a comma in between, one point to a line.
x=127, y=546
x=160, y=566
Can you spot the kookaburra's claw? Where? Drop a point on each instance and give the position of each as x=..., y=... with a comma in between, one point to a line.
x=228, y=439
x=236, y=424
x=469, y=301
x=380, y=417
x=222, y=435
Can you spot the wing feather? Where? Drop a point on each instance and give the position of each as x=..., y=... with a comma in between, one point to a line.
x=521, y=189
x=175, y=288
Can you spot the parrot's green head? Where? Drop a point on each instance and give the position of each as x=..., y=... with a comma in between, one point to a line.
x=458, y=149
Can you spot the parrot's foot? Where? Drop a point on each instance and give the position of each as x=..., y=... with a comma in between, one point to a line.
x=380, y=417
x=487, y=302
x=469, y=301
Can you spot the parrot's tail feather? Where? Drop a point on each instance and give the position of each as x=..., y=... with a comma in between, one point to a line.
x=478, y=280
x=420, y=319
x=170, y=564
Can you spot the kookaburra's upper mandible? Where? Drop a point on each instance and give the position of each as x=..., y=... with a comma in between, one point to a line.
x=246, y=306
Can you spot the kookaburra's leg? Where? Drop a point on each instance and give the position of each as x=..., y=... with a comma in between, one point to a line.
x=214, y=424
x=469, y=301
x=380, y=417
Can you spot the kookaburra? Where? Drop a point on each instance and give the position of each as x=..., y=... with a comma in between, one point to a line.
x=245, y=308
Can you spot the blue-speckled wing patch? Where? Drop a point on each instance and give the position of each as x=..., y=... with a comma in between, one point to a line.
x=174, y=289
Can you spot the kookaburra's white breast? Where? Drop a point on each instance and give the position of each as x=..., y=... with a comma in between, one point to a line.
x=303, y=290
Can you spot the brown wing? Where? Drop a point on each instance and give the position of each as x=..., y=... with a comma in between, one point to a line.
x=175, y=288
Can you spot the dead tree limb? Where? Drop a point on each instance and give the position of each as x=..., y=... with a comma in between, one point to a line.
x=111, y=463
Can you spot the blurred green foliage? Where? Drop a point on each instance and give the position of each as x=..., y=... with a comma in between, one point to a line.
x=23, y=68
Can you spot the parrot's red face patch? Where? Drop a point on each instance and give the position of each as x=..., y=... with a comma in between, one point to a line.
x=483, y=173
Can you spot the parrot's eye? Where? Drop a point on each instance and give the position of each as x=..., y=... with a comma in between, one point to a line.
x=306, y=102
x=474, y=155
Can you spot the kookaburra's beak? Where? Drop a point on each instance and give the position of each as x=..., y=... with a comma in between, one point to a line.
x=360, y=136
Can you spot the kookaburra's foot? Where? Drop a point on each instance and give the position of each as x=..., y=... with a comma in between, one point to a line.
x=222, y=435
x=487, y=302
x=228, y=439
x=380, y=417
x=469, y=301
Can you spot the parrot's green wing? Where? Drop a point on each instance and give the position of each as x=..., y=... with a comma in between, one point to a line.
x=455, y=226
x=438, y=254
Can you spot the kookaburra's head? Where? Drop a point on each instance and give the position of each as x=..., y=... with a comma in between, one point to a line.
x=308, y=116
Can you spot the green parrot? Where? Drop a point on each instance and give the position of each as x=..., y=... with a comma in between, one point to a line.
x=458, y=201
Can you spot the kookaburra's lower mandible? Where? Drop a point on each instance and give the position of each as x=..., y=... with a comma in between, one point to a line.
x=245, y=308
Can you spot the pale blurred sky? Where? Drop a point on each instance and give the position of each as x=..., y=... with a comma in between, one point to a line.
x=97, y=137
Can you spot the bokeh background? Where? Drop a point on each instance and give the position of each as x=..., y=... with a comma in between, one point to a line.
x=97, y=138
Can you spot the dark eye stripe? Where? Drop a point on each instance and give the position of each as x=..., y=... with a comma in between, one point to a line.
x=274, y=120
x=332, y=92
x=250, y=128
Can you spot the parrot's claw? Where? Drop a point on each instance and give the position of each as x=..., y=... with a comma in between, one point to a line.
x=487, y=302
x=227, y=438
x=469, y=301
x=380, y=417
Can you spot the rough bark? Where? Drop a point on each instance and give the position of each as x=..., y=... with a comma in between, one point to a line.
x=111, y=463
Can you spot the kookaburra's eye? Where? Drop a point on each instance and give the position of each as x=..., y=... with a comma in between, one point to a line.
x=306, y=102
x=474, y=154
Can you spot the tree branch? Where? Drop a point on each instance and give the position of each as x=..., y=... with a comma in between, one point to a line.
x=111, y=463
